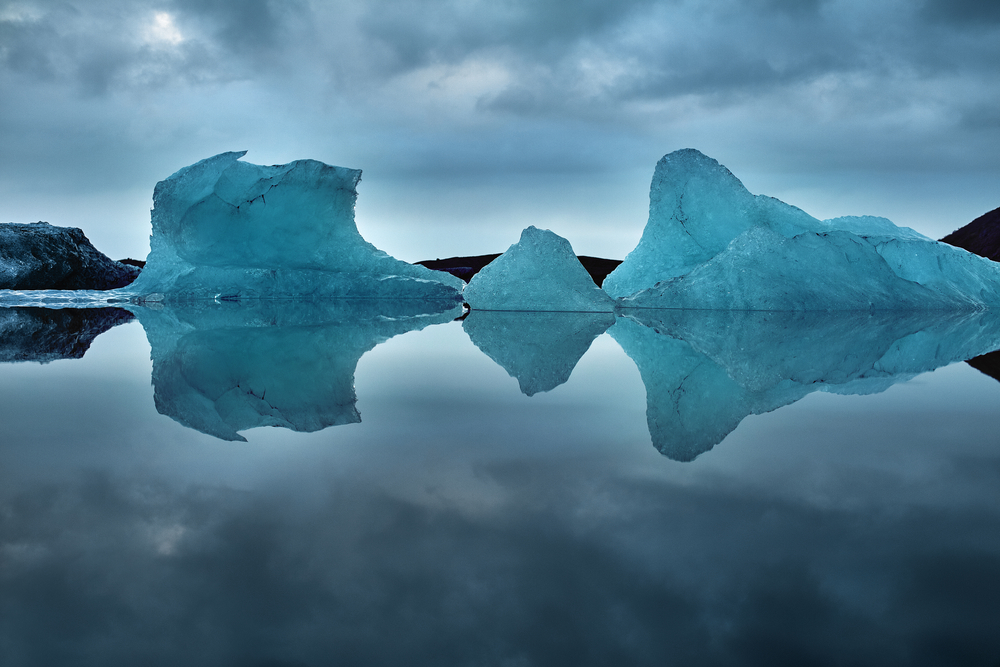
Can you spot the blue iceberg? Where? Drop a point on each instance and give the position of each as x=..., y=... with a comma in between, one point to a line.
x=710, y=244
x=227, y=229
x=539, y=272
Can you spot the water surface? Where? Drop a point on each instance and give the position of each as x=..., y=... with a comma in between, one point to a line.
x=659, y=489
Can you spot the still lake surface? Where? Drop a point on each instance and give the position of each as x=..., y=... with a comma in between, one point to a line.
x=521, y=489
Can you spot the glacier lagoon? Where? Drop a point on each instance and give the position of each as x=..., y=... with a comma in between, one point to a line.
x=228, y=463
x=365, y=482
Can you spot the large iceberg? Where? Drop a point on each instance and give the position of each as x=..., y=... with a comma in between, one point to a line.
x=228, y=229
x=709, y=243
x=539, y=272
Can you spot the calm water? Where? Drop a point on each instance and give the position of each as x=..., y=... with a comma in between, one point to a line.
x=705, y=489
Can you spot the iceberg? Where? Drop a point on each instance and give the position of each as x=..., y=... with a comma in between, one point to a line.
x=705, y=371
x=710, y=244
x=539, y=272
x=227, y=229
x=538, y=349
x=40, y=256
x=222, y=368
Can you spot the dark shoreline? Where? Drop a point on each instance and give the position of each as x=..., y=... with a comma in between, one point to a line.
x=466, y=267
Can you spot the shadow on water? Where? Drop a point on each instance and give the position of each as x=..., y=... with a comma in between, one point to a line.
x=222, y=368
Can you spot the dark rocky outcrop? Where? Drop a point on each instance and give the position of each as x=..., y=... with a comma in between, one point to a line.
x=38, y=256
x=466, y=267
x=987, y=364
x=981, y=236
x=47, y=334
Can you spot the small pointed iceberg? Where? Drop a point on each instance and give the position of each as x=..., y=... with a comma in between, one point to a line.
x=227, y=229
x=539, y=272
x=710, y=244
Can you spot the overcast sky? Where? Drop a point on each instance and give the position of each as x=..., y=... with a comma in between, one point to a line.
x=475, y=118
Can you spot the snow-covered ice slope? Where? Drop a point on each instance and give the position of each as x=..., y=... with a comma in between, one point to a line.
x=709, y=243
x=539, y=272
x=224, y=228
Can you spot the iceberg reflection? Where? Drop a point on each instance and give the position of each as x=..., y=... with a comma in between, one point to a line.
x=539, y=349
x=705, y=371
x=223, y=368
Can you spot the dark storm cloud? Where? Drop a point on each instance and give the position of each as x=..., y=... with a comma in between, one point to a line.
x=102, y=46
x=136, y=572
x=575, y=59
x=421, y=33
x=969, y=13
x=110, y=95
x=657, y=49
x=255, y=29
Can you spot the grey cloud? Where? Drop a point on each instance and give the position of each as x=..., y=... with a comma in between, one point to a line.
x=99, y=45
x=968, y=13
x=419, y=33
x=250, y=28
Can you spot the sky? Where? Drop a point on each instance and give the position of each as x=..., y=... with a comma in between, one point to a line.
x=472, y=119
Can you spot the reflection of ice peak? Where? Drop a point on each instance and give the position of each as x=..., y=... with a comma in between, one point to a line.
x=705, y=371
x=224, y=368
x=539, y=349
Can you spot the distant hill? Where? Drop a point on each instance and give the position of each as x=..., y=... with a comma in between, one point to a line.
x=466, y=267
x=981, y=236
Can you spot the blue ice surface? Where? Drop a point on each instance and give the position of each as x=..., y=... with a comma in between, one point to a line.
x=541, y=273
x=710, y=244
x=228, y=229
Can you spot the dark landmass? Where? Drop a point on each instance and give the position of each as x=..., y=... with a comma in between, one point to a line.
x=47, y=334
x=466, y=267
x=460, y=267
x=140, y=263
x=38, y=255
x=981, y=236
x=598, y=267
x=987, y=364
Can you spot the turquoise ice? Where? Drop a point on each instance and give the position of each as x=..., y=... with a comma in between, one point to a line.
x=228, y=229
x=539, y=272
x=709, y=243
